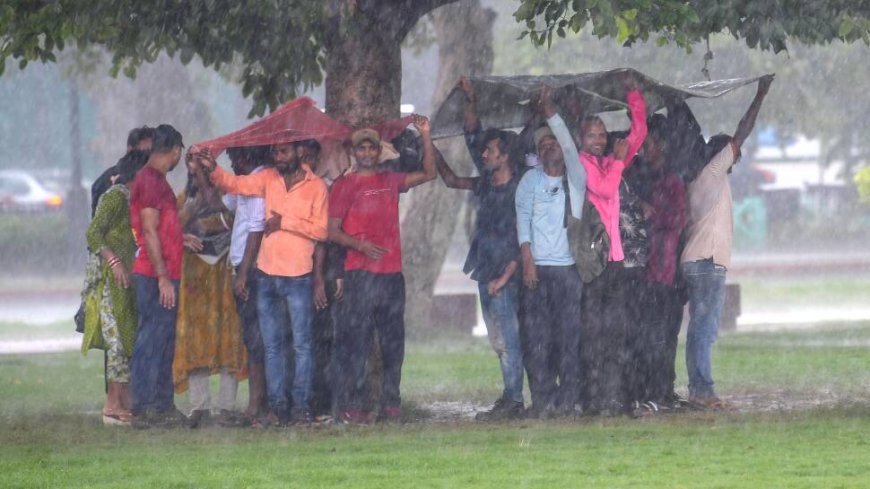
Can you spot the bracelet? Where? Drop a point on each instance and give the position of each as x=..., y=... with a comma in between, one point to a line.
x=114, y=261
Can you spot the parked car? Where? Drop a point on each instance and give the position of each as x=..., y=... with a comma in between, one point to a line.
x=21, y=192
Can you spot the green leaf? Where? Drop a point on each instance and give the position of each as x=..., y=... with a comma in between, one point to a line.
x=630, y=14
x=845, y=27
x=623, y=31
x=661, y=41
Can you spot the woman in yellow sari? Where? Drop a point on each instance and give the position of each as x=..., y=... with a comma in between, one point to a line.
x=209, y=339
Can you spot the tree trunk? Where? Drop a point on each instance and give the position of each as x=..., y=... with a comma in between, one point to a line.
x=464, y=34
x=363, y=77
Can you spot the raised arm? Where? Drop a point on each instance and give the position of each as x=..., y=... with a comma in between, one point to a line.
x=450, y=178
x=250, y=185
x=637, y=108
x=428, y=172
x=744, y=128
x=573, y=167
x=472, y=122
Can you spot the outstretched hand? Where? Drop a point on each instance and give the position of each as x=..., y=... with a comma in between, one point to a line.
x=421, y=122
x=467, y=88
x=545, y=101
x=764, y=83
x=631, y=82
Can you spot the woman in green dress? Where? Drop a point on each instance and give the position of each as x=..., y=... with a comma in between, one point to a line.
x=110, y=304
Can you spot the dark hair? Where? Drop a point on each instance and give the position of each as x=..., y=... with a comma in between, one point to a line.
x=657, y=128
x=589, y=119
x=130, y=164
x=505, y=139
x=257, y=155
x=310, y=143
x=165, y=139
x=139, y=134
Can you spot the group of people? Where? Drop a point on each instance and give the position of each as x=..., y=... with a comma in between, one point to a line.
x=584, y=254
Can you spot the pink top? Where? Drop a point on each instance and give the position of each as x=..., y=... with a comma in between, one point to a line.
x=603, y=175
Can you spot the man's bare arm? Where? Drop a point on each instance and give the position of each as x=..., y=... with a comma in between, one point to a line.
x=450, y=178
x=747, y=123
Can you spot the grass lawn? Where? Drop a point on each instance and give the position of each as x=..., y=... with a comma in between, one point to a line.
x=51, y=436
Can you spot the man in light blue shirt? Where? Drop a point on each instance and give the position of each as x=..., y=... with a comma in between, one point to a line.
x=552, y=286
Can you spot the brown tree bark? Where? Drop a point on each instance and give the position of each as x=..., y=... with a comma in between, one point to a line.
x=464, y=35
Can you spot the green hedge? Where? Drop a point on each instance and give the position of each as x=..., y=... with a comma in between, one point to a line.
x=35, y=242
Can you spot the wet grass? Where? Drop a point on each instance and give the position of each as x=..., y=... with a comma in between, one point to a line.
x=771, y=295
x=50, y=434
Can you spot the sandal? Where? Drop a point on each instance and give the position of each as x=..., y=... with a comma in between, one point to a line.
x=116, y=418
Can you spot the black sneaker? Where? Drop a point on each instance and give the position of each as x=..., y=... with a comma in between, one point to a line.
x=232, y=419
x=172, y=418
x=301, y=417
x=143, y=421
x=503, y=409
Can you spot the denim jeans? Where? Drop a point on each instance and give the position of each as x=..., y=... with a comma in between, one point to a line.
x=503, y=329
x=278, y=297
x=151, y=386
x=706, y=287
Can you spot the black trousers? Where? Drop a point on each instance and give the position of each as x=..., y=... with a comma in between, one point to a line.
x=372, y=301
x=604, y=352
x=642, y=334
x=550, y=336
x=247, y=310
x=322, y=388
x=666, y=316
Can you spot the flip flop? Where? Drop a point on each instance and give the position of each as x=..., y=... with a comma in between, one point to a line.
x=116, y=418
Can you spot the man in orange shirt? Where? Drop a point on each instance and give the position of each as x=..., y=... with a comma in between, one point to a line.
x=296, y=217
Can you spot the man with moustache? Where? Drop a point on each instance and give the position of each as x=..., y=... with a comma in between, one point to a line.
x=296, y=218
x=551, y=323
x=364, y=218
x=156, y=275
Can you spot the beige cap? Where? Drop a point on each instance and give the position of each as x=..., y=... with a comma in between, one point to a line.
x=366, y=134
x=541, y=133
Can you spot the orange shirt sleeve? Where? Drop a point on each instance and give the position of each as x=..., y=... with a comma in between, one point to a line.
x=250, y=185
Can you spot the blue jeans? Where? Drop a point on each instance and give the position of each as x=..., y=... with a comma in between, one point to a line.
x=276, y=297
x=706, y=287
x=503, y=329
x=151, y=386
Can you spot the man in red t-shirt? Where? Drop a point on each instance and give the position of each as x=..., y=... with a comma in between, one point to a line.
x=364, y=218
x=156, y=274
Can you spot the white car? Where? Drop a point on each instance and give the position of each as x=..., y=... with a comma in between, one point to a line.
x=20, y=192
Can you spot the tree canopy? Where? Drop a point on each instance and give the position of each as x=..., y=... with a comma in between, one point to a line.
x=282, y=47
x=762, y=24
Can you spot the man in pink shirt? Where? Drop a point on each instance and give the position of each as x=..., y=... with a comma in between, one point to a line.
x=603, y=341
